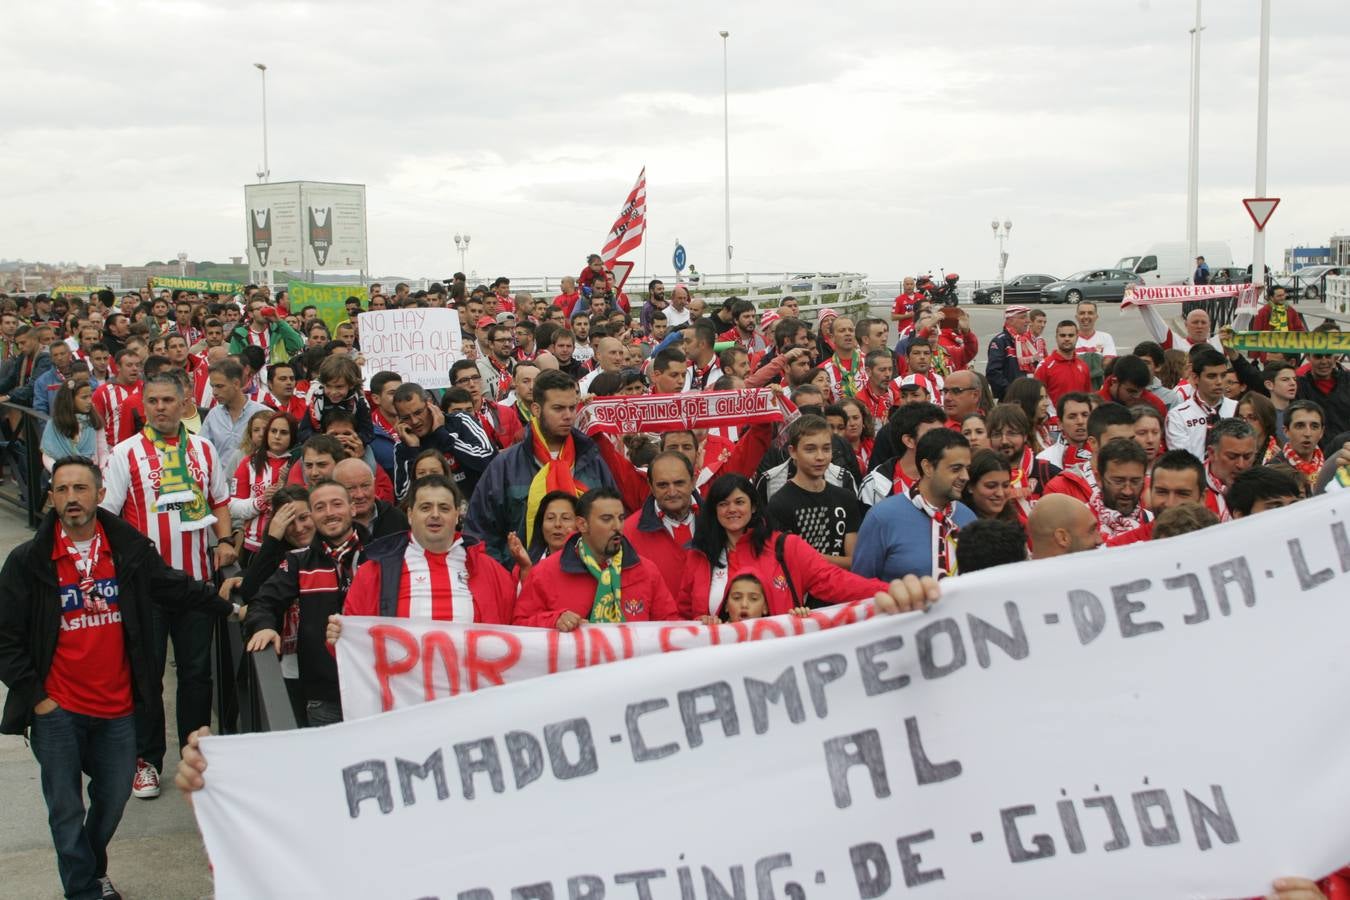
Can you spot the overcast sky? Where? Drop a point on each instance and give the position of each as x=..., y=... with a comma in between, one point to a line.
x=868, y=135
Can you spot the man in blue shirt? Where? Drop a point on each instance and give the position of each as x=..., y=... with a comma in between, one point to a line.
x=914, y=532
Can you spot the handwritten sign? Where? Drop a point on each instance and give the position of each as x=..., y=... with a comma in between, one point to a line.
x=419, y=344
x=1096, y=725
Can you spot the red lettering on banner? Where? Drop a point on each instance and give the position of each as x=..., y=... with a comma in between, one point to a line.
x=667, y=644
x=762, y=626
x=432, y=642
x=602, y=649
x=492, y=668
x=738, y=629
x=552, y=643
x=380, y=635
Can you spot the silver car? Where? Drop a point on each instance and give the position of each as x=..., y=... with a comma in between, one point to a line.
x=1090, y=284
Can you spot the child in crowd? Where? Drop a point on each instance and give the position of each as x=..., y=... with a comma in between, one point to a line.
x=746, y=599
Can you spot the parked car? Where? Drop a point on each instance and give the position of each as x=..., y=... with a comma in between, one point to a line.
x=1090, y=284
x=1022, y=289
x=1229, y=275
x=1308, y=282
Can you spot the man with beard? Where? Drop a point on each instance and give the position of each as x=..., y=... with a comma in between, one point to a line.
x=75, y=647
x=320, y=573
x=1177, y=478
x=1060, y=525
x=1120, y=468
x=1106, y=423
x=597, y=577
x=914, y=533
x=497, y=363
x=1010, y=436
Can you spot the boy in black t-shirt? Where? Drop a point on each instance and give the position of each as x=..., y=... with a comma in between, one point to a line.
x=823, y=515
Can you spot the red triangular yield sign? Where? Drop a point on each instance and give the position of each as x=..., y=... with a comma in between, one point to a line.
x=1260, y=209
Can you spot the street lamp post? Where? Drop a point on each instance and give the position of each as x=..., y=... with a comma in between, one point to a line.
x=1193, y=158
x=182, y=264
x=726, y=150
x=265, y=172
x=462, y=245
x=1001, y=235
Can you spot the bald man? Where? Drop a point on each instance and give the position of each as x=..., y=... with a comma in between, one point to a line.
x=608, y=358
x=1197, y=326
x=960, y=397
x=379, y=518
x=1061, y=524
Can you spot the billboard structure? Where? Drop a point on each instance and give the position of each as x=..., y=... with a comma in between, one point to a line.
x=305, y=227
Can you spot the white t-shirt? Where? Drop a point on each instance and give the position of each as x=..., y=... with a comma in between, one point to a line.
x=1100, y=342
x=676, y=317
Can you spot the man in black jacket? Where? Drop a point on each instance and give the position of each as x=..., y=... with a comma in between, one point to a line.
x=76, y=652
x=1328, y=385
x=316, y=578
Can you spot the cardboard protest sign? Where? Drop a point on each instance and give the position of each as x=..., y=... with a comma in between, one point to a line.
x=387, y=664
x=1299, y=342
x=329, y=300
x=1160, y=720
x=419, y=344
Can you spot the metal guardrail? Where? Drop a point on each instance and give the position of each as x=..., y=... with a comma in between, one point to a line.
x=250, y=691
x=1337, y=296
x=22, y=452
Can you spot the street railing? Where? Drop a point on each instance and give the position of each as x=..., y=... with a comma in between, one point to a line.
x=22, y=457
x=1338, y=294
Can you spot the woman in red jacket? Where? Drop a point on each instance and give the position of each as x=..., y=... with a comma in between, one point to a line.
x=432, y=572
x=733, y=535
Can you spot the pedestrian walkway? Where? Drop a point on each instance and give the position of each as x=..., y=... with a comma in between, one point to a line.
x=157, y=852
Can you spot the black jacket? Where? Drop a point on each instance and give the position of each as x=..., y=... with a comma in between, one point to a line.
x=309, y=577
x=30, y=612
x=389, y=519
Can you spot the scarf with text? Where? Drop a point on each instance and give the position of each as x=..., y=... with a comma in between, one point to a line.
x=178, y=489
x=608, y=603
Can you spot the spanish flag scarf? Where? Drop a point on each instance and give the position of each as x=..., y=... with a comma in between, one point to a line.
x=553, y=475
x=607, y=606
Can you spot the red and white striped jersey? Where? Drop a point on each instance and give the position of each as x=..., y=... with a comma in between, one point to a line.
x=247, y=503
x=435, y=585
x=131, y=480
x=118, y=406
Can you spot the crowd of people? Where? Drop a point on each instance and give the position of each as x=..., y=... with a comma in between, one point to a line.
x=192, y=433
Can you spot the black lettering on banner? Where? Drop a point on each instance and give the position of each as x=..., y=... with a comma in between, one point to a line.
x=408, y=770
x=910, y=861
x=540, y=891
x=1232, y=571
x=1155, y=835
x=1307, y=579
x=1342, y=544
x=526, y=755
x=367, y=780
x=723, y=710
x=585, y=887
x=1073, y=832
x=714, y=889
x=1203, y=818
x=764, y=869
x=1190, y=582
x=860, y=749
x=1012, y=642
x=783, y=688
x=1043, y=846
x=640, y=879
x=1126, y=609
x=641, y=752
x=1089, y=616
x=1120, y=838
x=564, y=768
x=924, y=769
x=479, y=756
x=924, y=639
x=820, y=672
x=871, y=871
x=873, y=670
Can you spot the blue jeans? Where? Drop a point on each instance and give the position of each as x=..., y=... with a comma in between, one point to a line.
x=66, y=745
x=191, y=633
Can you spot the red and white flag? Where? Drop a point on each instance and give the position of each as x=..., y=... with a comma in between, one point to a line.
x=626, y=234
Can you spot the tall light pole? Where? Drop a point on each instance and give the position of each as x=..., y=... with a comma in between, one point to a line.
x=726, y=149
x=462, y=245
x=1001, y=236
x=1193, y=160
x=182, y=264
x=1262, y=109
x=265, y=172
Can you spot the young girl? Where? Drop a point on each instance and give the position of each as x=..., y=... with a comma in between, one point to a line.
x=260, y=474
x=339, y=386
x=74, y=426
x=746, y=599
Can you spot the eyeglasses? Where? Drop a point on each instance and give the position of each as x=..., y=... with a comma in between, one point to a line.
x=1117, y=483
x=957, y=391
x=470, y=379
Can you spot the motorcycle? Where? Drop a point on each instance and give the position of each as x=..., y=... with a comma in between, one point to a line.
x=943, y=292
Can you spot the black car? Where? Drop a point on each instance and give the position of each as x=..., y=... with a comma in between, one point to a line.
x=1022, y=289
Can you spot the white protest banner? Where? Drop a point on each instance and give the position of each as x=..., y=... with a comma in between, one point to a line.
x=418, y=344
x=386, y=664
x=1161, y=720
x=1139, y=295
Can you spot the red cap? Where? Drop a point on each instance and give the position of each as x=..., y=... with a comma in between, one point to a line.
x=486, y=322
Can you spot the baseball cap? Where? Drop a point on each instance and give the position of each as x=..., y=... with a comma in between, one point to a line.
x=503, y=317
x=485, y=322
x=1011, y=311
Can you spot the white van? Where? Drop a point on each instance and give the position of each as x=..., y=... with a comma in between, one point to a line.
x=1171, y=262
